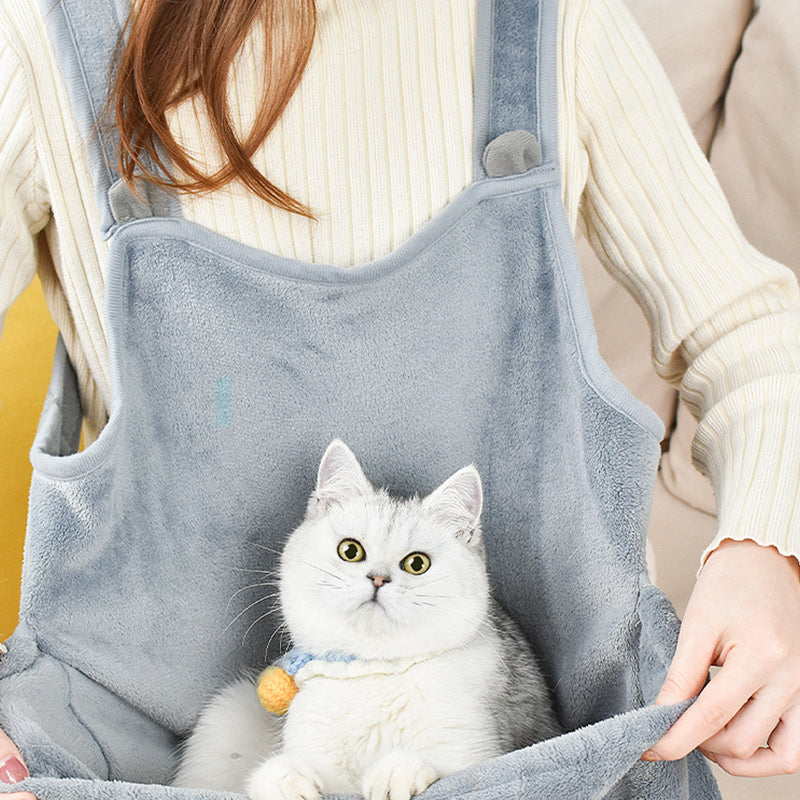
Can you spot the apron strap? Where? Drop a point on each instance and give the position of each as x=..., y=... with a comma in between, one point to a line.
x=515, y=91
x=515, y=87
x=85, y=34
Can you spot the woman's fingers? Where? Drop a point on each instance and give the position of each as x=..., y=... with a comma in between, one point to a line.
x=688, y=671
x=720, y=701
x=743, y=616
x=781, y=756
x=12, y=768
x=751, y=727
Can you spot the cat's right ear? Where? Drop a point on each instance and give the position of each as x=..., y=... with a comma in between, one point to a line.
x=339, y=478
x=458, y=502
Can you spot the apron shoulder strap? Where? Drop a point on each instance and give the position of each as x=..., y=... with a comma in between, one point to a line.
x=516, y=101
x=85, y=35
x=515, y=91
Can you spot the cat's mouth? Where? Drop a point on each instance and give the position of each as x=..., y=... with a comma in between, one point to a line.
x=374, y=602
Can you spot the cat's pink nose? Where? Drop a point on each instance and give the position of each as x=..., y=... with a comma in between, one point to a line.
x=379, y=580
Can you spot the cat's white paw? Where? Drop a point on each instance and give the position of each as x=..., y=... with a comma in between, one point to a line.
x=284, y=777
x=398, y=776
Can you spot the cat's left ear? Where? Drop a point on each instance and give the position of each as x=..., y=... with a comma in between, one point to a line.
x=458, y=502
x=339, y=478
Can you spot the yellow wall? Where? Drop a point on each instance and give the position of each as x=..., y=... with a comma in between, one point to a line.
x=26, y=353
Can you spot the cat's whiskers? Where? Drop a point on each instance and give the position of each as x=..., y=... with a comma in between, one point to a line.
x=268, y=549
x=329, y=584
x=271, y=572
x=339, y=578
x=280, y=627
x=273, y=610
x=254, y=603
x=431, y=581
x=270, y=584
x=431, y=596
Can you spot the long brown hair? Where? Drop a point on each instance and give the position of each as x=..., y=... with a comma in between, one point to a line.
x=176, y=49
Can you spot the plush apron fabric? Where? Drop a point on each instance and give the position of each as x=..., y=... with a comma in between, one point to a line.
x=234, y=368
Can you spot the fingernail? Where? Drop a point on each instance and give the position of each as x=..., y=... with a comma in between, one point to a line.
x=649, y=755
x=12, y=770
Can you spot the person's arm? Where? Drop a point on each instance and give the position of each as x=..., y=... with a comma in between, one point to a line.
x=726, y=329
x=23, y=212
x=751, y=631
x=24, y=208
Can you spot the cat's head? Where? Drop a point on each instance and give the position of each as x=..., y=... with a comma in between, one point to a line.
x=377, y=577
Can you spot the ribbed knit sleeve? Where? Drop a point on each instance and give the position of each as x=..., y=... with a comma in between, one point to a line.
x=725, y=319
x=23, y=209
x=50, y=222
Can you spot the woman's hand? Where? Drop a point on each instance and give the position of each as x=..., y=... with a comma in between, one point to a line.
x=12, y=768
x=743, y=616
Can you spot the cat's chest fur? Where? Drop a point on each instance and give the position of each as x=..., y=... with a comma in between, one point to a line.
x=346, y=716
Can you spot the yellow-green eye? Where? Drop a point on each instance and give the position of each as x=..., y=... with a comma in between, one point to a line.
x=351, y=550
x=416, y=563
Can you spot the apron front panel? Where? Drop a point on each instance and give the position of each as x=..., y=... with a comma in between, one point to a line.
x=465, y=354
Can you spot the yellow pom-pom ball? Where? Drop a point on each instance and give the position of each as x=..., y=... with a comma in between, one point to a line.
x=276, y=690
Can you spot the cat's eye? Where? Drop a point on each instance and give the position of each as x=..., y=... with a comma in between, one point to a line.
x=351, y=550
x=416, y=563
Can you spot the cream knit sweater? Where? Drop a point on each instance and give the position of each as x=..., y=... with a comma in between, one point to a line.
x=379, y=138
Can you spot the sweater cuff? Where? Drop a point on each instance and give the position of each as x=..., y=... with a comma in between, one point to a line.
x=749, y=446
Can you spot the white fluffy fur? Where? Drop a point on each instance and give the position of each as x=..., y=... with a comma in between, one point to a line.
x=417, y=703
x=233, y=734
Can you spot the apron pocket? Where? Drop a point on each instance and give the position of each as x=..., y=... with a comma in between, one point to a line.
x=55, y=452
x=69, y=727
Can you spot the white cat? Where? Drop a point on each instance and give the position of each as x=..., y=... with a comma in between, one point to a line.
x=409, y=670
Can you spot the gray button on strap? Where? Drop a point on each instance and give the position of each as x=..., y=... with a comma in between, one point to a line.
x=512, y=153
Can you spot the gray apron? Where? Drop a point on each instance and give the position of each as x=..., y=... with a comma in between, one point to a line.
x=232, y=369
